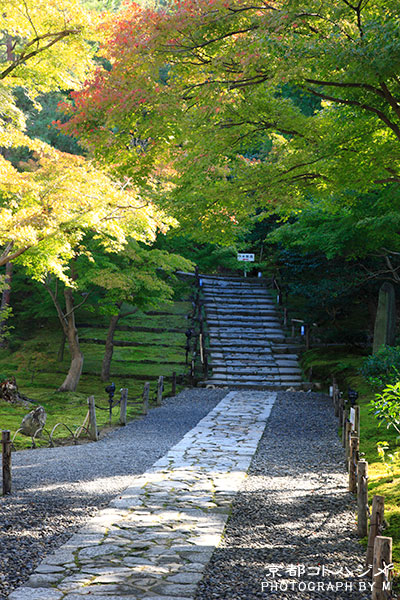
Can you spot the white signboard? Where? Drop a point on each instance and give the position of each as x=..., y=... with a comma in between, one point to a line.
x=245, y=257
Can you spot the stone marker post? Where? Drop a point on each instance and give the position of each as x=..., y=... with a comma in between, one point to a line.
x=385, y=321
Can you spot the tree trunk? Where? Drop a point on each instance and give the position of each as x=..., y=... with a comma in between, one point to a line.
x=71, y=381
x=105, y=368
x=60, y=354
x=5, y=302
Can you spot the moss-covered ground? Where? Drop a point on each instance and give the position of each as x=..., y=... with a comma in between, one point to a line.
x=38, y=371
x=384, y=480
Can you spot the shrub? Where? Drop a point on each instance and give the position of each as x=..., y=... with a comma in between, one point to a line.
x=386, y=407
x=383, y=367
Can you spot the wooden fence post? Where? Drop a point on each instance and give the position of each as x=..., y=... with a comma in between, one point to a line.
x=362, y=498
x=347, y=442
x=307, y=336
x=146, y=391
x=381, y=574
x=357, y=420
x=353, y=459
x=173, y=391
x=93, y=433
x=160, y=389
x=6, y=454
x=344, y=421
x=341, y=406
x=123, y=406
x=335, y=397
x=375, y=525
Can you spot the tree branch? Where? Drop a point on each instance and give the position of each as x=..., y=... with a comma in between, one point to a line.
x=23, y=57
x=381, y=115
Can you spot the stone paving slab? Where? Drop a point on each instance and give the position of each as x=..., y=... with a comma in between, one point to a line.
x=154, y=540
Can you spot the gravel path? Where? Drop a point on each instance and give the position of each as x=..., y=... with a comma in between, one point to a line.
x=294, y=509
x=55, y=490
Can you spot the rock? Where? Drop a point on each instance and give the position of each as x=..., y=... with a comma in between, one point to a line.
x=34, y=420
x=9, y=392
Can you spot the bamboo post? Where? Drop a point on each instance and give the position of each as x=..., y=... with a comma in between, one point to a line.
x=173, y=392
x=83, y=426
x=344, y=421
x=375, y=525
x=93, y=433
x=353, y=459
x=6, y=455
x=146, y=391
x=123, y=406
x=382, y=568
x=201, y=348
x=362, y=498
x=160, y=389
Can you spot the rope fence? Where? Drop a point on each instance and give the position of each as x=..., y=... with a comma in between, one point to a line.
x=370, y=522
x=89, y=427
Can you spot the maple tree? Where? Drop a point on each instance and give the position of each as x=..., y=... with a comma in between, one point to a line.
x=200, y=84
x=122, y=283
x=51, y=201
x=47, y=216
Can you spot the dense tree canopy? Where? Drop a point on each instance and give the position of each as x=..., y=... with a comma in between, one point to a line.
x=199, y=86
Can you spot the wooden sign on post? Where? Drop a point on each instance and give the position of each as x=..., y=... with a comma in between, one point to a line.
x=245, y=257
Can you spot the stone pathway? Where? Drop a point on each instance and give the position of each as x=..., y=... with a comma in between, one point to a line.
x=154, y=540
x=247, y=344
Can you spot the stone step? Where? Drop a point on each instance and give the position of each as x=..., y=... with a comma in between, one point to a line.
x=244, y=322
x=267, y=363
x=234, y=314
x=227, y=380
x=240, y=312
x=286, y=349
x=246, y=370
x=227, y=293
x=255, y=386
x=249, y=353
x=256, y=344
x=230, y=296
x=234, y=289
x=242, y=303
x=286, y=363
x=245, y=333
x=234, y=280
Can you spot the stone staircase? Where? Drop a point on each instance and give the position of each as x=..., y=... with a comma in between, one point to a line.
x=247, y=344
